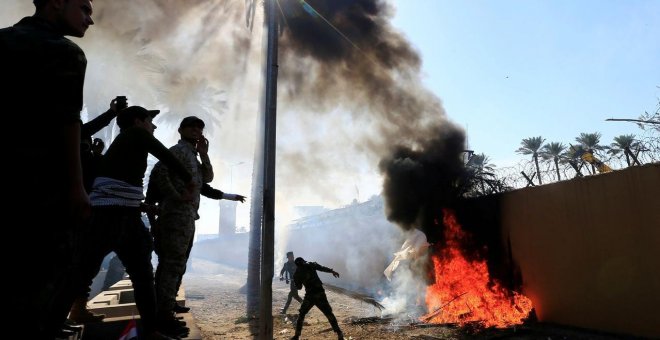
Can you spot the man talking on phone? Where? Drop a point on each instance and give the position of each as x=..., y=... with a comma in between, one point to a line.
x=174, y=229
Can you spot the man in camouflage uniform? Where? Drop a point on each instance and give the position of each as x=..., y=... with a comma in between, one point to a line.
x=287, y=272
x=314, y=294
x=174, y=229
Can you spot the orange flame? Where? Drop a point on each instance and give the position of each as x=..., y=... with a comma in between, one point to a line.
x=463, y=292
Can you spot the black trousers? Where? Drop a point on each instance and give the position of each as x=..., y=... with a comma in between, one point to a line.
x=319, y=300
x=293, y=294
x=120, y=229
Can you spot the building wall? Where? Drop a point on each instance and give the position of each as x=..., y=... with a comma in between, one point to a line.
x=589, y=249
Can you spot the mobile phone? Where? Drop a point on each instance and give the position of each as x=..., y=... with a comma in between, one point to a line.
x=122, y=102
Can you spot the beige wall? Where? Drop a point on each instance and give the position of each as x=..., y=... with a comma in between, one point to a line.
x=589, y=249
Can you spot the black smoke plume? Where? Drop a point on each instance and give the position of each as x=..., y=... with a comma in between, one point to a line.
x=361, y=62
x=419, y=182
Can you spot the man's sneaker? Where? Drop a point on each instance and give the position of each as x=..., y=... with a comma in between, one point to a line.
x=340, y=336
x=181, y=309
x=65, y=334
x=73, y=328
x=283, y=311
x=172, y=327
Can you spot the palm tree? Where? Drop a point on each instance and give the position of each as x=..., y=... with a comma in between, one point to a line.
x=573, y=157
x=625, y=144
x=553, y=151
x=531, y=146
x=591, y=143
x=480, y=169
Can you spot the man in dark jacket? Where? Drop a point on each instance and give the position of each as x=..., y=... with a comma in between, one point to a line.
x=43, y=75
x=314, y=294
x=116, y=223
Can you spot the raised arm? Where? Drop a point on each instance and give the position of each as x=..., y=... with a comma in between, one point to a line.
x=207, y=169
x=95, y=125
x=211, y=192
x=321, y=268
x=156, y=148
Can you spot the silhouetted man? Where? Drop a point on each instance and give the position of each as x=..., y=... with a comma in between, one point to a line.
x=287, y=272
x=43, y=75
x=314, y=294
x=174, y=230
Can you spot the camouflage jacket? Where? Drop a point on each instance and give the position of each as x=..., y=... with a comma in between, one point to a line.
x=166, y=188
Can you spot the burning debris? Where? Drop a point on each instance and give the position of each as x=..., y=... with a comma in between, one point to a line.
x=420, y=181
x=463, y=290
x=355, y=295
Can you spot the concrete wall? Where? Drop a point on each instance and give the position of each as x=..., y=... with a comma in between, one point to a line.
x=589, y=249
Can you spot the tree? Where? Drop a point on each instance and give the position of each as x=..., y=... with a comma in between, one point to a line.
x=531, y=146
x=625, y=144
x=553, y=151
x=479, y=178
x=591, y=143
x=480, y=169
x=573, y=157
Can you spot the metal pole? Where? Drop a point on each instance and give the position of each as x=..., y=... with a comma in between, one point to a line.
x=268, y=234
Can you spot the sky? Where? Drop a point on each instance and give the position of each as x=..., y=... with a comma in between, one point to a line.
x=510, y=69
x=503, y=70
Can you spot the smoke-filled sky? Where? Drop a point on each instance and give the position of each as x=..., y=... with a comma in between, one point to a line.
x=503, y=70
x=349, y=92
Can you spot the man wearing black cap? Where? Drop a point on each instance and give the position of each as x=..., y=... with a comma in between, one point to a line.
x=314, y=294
x=287, y=272
x=116, y=197
x=174, y=230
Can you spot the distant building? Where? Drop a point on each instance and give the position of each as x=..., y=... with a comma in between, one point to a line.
x=373, y=208
x=308, y=210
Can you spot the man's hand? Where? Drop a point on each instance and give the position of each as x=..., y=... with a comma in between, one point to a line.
x=335, y=274
x=118, y=104
x=203, y=145
x=234, y=197
x=97, y=146
x=149, y=208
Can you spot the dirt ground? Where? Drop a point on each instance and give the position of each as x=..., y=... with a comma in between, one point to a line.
x=212, y=292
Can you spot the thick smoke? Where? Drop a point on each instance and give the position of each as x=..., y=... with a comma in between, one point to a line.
x=344, y=54
x=420, y=181
x=349, y=83
x=359, y=64
x=350, y=91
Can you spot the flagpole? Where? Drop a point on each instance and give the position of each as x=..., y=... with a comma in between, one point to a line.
x=268, y=231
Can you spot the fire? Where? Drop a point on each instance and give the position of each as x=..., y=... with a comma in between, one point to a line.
x=463, y=292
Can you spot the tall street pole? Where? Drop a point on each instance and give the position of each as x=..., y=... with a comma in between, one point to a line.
x=268, y=231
